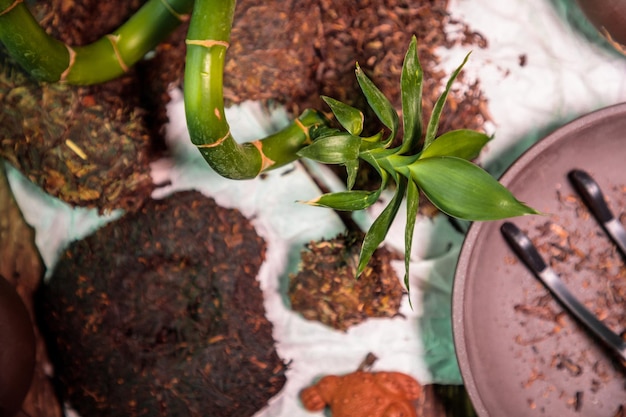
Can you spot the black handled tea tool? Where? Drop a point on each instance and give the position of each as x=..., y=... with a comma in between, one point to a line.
x=521, y=244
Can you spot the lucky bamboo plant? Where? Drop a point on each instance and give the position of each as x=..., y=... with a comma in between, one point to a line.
x=439, y=167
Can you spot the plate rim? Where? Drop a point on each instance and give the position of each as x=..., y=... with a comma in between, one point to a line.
x=460, y=276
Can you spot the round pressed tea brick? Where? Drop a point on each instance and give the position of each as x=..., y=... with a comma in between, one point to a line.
x=160, y=314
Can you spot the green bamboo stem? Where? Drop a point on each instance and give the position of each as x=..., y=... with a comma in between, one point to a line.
x=207, y=42
x=50, y=60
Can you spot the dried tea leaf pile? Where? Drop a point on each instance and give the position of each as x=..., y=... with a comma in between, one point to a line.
x=83, y=151
x=160, y=314
x=325, y=288
x=88, y=146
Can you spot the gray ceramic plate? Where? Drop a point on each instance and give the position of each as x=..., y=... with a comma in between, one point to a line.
x=519, y=354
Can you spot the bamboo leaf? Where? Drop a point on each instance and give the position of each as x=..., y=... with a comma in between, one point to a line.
x=347, y=200
x=370, y=159
x=377, y=232
x=411, y=82
x=379, y=103
x=350, y=118
x=433, y=123
x=462, y=143
x=386, y=165
x=322, y=130
x=412, y=205
x=334, y=149
x=374, y=138
x=384, y=175
x=461, y=189
x=382, y=166
x=352, y=168
x=372, y=142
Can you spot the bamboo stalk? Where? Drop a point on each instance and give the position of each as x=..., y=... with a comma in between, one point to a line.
x=50, y=60
x=207, y=42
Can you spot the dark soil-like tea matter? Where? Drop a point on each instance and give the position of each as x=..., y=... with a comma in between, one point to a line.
x=160, y=314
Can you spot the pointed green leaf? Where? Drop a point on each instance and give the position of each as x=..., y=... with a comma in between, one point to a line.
x=385, y=164
x=372, y=142
x=377, y=232
x=370, y=159
x=433, y=123
x=379, y=103
x=461, y=189
x=352, y=169
x=335, y=149
x=411, y=82
x=412, y=205
x=400, y=163
x=350, y=118
x=320, y=131
x=384, y=175
x=374, y=138
x=347, y=200
x=382, y=165
x=462, y=143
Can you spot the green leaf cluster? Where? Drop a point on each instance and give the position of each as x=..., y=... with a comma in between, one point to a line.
x=438, y=166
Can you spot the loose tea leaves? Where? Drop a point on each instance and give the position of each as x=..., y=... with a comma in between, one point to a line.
x=88, y=146
x=325, y=288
